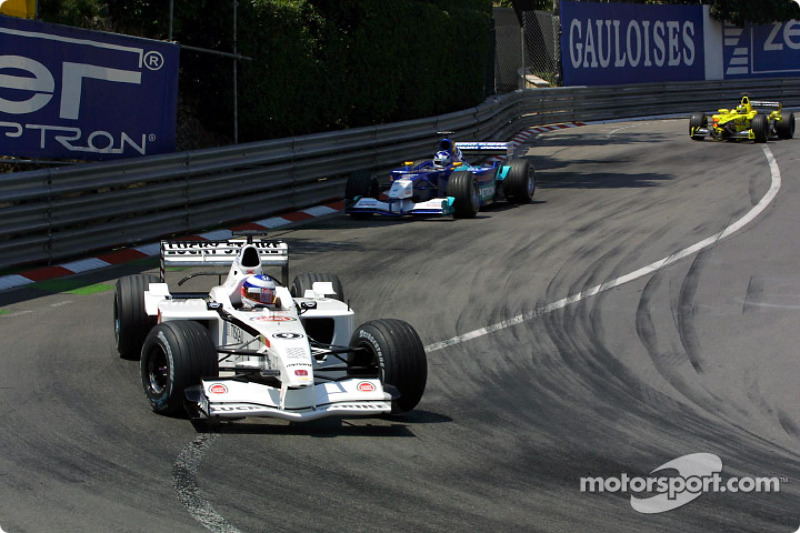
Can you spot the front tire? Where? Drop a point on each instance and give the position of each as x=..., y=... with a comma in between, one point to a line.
x=390, y=350
x=520, y=183
x=760, y=127
x=466, y=198
x=360, y=184
x=176, y=355
x=697, y=120
x=131, y=322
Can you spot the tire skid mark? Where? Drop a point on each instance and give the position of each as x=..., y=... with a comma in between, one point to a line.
x=666, y=350
x=788, y=424
x=685, y=313
x=755, y=290
x=184, y=479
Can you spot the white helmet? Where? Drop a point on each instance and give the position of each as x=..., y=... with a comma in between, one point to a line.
x=258, y=290
x=442, y=159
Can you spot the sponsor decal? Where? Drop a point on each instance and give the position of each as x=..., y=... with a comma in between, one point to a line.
x=287, y=335
x=432, y=204
x=758, y=51
x=235, y=332
x=236, y=408
x=301, y=372
x=218, y=388
x=366, y=386
x=662, y=490
x=271, y=318
x=220, y=248
x=72, y=93
x=608, y=43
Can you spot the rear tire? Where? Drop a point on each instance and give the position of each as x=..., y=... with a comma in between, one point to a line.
x=520, y=183
x=176, y=355
x=697, y=120
x=785, y=127
x=391, y=351
x=760, y=127
x=304, y=282
x=131, y=322
x=466, y=199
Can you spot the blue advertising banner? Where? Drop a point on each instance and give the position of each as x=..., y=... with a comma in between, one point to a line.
x=604, y=44
x=764, y=51
x=69, y=93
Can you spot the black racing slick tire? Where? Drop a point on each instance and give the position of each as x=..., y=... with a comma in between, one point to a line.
x=361, y=184
x=520, y=183
x=390, y=350
x=304, y=282
x=466, y=198
x=697, y=120
x=760, y=127
x=785, y=128
x=131, y=322
x=176, y=355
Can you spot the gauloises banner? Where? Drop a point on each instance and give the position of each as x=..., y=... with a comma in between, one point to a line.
x=604, y=44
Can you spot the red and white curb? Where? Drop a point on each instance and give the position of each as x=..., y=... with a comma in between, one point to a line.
x=525, y=135
x=153, y=249
x=133, y=253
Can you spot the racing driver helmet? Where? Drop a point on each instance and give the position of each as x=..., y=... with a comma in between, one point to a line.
x=258, y=291
x=442, y=159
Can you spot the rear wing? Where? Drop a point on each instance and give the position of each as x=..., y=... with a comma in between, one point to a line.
x=484, y=148
x=766, y=104
x=222, y=253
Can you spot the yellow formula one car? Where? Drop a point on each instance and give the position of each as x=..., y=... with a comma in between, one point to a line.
x=744, y=122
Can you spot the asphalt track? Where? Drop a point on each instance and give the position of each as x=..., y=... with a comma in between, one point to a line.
x=526, y=395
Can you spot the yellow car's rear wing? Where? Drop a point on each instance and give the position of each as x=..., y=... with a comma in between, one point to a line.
x=766, y=104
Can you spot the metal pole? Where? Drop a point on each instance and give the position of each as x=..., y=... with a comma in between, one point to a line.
x=522, y=70
x=171, y=11
x=235, y=80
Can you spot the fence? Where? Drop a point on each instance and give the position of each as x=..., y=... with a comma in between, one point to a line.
x=54, y=214
x=542, y=48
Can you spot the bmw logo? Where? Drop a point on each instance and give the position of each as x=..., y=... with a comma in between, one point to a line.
x=287, y=336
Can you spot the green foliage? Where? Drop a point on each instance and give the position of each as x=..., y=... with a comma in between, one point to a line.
x=316, y=65
x=83, y=13
x=761, y=12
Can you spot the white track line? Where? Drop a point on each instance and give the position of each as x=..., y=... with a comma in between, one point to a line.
x=759, y=208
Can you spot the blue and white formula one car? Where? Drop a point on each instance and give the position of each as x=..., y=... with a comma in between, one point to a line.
x=445, y=185
x=253, y=346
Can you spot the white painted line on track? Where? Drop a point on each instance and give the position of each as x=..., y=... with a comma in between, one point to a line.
x=759, y=208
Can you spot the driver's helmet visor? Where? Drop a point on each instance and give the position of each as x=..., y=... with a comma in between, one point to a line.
x=262, y=295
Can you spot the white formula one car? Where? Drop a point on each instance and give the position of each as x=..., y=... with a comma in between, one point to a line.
x=252, y=346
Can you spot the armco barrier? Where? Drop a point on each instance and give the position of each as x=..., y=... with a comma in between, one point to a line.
x=54, y=214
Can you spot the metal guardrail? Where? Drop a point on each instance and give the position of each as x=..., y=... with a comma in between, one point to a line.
x=54, y=214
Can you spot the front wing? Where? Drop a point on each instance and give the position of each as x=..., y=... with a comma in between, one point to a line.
x=435, y=206
x=227, y=398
